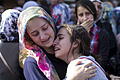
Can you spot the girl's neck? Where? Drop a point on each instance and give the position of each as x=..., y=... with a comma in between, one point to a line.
x=73, y=57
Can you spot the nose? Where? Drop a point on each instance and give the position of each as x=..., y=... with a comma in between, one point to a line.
x=42, y=36
x=84, y=17
x=55, y=42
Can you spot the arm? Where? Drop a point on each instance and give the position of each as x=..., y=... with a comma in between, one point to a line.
x=31, y=70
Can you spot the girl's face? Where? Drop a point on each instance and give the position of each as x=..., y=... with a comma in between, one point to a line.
x=83, y=14
x=41, y=32
x=62, y=44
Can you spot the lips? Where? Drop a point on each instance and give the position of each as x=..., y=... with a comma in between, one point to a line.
x=46, y=41
x=56, y=48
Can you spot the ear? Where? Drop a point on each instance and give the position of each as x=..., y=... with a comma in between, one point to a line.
x=76, y=43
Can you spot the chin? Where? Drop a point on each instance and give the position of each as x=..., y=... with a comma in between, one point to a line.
x=57, y=55
x=48, y=45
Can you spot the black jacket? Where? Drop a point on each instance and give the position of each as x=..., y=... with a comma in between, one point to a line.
x=10, y=52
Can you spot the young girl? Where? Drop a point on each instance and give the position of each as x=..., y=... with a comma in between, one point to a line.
x=86, y=16
x=73, y=42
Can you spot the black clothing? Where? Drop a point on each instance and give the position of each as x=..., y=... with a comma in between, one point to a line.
x=10, y=52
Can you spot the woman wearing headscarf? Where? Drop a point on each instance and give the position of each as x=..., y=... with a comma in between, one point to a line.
x=37, y=33
x=9, y=29
x=60, y=12
x=9, y=47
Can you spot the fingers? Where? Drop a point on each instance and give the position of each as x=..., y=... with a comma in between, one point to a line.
x=92, y=67
x=91, y=75
x=92, y=71
x=87, y=24
x=88, y=64
x=76, y=62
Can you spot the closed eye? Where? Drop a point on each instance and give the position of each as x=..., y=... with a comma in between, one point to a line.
x=45, y=27
x=35, y=33
x=60, y=36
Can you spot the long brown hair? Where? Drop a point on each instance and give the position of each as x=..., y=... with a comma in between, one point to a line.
x=79, y=33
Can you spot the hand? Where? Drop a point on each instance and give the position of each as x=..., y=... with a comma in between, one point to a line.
x=78, y=71
x=87, y=24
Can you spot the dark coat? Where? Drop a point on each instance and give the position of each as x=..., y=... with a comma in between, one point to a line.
x=10, y=52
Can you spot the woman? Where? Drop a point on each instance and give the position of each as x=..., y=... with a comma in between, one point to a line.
x=9, y=67
x=86, y=16
x=8, y=28
x=73, y=42
x=37, y=33
x=60, y=12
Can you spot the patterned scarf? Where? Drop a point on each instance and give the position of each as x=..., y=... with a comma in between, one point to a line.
x=61, y=14
x=43, y=62
x=9, y=29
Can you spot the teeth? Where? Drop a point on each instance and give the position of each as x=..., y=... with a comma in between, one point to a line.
x=56, y=49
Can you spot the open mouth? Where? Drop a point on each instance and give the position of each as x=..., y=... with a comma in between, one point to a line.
x=56, y=49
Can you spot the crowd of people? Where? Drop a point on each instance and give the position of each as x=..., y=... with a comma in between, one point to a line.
x=50, y=40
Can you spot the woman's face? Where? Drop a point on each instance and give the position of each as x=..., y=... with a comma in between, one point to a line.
x=83, y=14
x=41, y=32
x=98, y=8
x=62, y=44
x=53, y=2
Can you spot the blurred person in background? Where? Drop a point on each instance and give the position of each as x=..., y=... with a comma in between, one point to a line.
x=9, y=47
x=60, y=12
x=103, y=21
x=86, y=16
x=2, y=9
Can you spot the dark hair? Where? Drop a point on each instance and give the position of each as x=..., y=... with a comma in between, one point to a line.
x=80, y=33
x=88, y=5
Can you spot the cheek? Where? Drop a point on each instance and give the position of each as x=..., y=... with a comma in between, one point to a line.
x=80, y=19
x=51, y=32
x=36, y=40
x=65, y=46
x=91, y=17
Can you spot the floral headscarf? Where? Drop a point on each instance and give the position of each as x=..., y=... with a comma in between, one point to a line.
x=43, y=62
x=9, y=29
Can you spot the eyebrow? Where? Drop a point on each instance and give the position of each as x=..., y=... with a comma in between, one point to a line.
x=41, y=26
